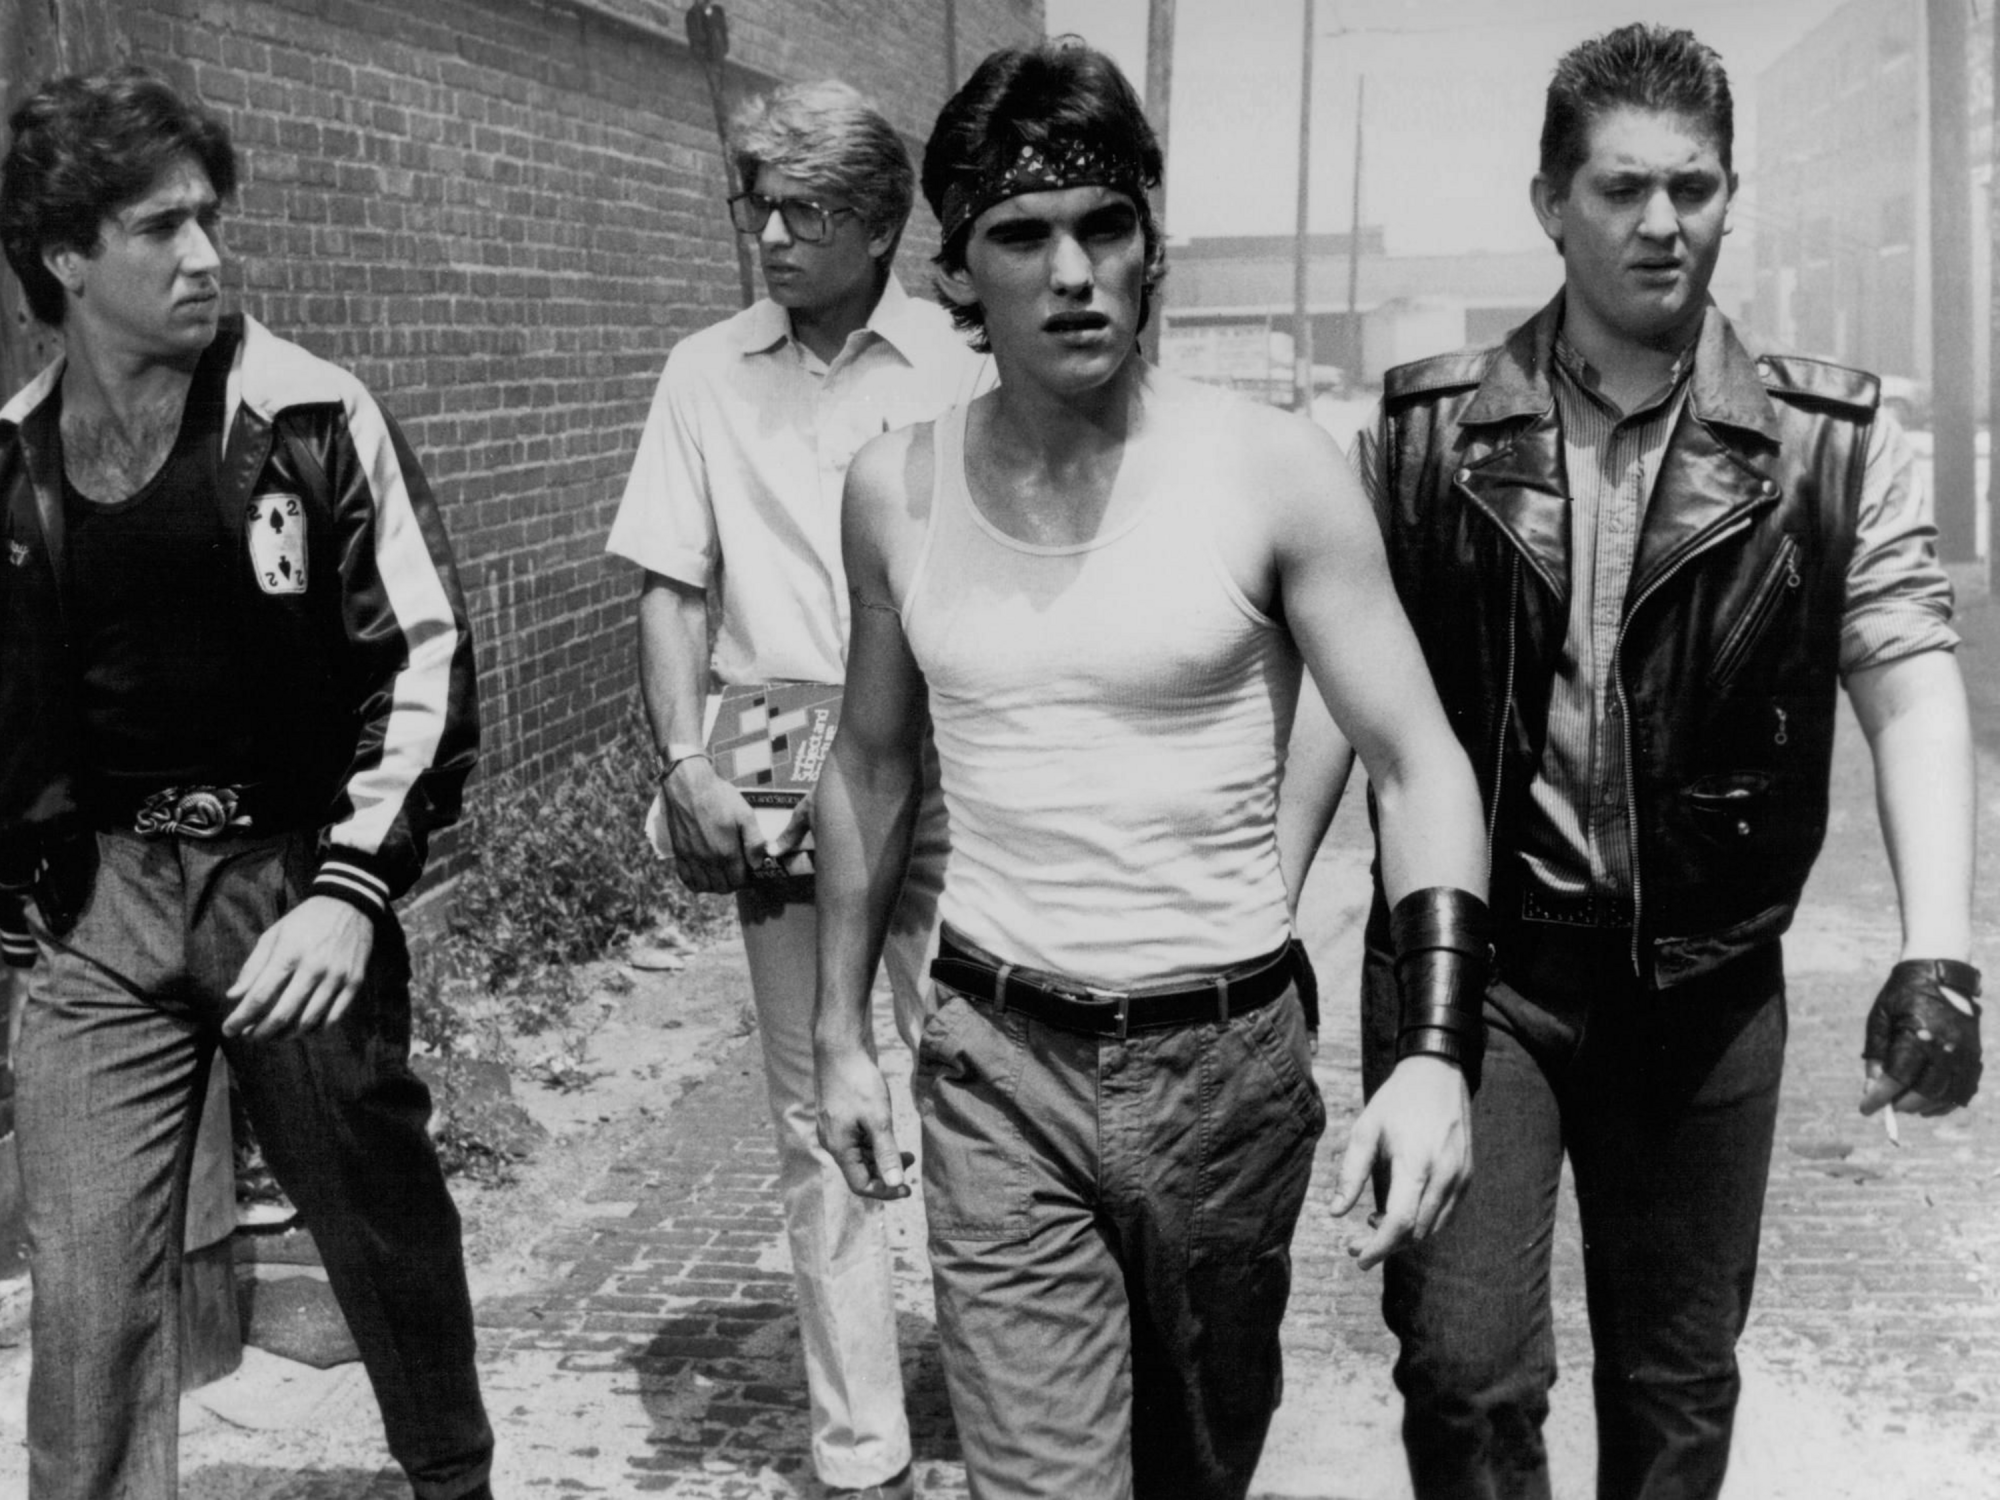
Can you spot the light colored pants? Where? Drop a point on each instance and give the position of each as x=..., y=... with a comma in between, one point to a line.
x=839, y=1242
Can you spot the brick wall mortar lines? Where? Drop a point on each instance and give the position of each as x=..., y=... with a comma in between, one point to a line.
x=501, y=215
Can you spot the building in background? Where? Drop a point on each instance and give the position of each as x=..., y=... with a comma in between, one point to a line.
x=501, y=215
x=1230, y=313
x=1841, y=207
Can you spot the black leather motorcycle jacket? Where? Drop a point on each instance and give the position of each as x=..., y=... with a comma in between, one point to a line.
x=1724, y=679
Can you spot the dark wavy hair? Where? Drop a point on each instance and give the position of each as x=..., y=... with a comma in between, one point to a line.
x=81, y=148
x=1042, y=96
x=1638, y=67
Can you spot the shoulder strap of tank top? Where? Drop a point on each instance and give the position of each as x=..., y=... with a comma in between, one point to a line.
x=947, y=495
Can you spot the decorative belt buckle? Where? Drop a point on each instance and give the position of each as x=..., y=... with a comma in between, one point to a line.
x=195, y=812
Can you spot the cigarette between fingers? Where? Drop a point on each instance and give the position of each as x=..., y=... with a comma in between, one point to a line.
x=1889, y=1125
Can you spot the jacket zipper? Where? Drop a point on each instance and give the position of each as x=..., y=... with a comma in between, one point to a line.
x=1625, y=720
x=1783, y=575
x=1506, y=717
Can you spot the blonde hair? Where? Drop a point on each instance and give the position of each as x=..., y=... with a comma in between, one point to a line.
x=831, y=137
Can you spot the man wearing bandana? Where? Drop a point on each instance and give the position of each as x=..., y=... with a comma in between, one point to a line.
x=1101, y=581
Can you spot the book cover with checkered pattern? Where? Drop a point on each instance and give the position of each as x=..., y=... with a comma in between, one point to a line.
x=770, y=741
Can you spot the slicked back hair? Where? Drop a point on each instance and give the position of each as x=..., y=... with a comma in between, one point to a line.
x=1640, y=66
x=1060, y=90
x=831, y=137
x=83, y=146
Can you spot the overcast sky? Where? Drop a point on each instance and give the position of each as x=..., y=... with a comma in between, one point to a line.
x=1454, y=100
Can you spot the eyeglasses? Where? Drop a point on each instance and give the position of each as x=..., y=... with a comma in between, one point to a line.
x=805, y=220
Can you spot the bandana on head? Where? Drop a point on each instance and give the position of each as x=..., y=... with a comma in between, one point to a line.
x=1035, y=169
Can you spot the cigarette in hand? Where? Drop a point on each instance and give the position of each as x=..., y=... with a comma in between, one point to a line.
x=1889, y=1126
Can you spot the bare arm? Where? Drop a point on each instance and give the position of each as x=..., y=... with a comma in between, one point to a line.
x=1913, y=712
x=1333, y=581
x=866, y=811
x=716, y=840
x=1318, y=762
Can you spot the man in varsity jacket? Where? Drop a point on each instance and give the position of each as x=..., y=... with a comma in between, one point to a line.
x=236, y=698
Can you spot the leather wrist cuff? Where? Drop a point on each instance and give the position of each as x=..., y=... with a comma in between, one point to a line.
x=1452, y=1046
x=1442, y=938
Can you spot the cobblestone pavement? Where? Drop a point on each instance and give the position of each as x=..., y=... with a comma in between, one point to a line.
x=669, y=1326
x=653, y=1349
x=1872, y=1361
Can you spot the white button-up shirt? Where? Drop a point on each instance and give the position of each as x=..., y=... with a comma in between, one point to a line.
x=736, y=487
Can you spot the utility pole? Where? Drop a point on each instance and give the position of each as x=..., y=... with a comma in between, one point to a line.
x=1302, y=339
x=1357, y=347
x=1954, y=473
x=1992, y=496
x=708, y=39
x=1159, y=100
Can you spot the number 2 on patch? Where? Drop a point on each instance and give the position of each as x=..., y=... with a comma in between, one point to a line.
x=277, y=528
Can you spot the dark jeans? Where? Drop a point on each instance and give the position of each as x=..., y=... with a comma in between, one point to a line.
x=1666, y=1106
x=1110, y=1235
x=122, y=1024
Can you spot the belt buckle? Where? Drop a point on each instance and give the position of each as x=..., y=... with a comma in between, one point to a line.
x=1083, y=994
x=1121, y=999
x=1124, y=1002
x=195, y=812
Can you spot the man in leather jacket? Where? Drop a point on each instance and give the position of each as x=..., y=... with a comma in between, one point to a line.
x=1639, y=561
x=236, y=697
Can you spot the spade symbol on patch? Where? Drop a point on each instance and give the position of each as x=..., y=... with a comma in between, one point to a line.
x=278, y=544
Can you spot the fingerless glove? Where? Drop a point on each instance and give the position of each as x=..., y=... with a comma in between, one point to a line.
x=1920, y=1038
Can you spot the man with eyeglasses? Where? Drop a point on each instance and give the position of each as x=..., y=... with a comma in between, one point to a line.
x=735, y=496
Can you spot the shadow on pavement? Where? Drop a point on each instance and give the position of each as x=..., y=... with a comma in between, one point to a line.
x=256, y=1482
x=723, y=1387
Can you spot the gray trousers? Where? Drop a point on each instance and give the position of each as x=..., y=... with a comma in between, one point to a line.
x=123, y=1021
x=1110, y=1240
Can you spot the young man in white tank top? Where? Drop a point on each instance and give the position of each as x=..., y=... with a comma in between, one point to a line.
x=1101, y=581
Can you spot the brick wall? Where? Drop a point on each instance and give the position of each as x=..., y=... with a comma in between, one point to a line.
x=501, y=214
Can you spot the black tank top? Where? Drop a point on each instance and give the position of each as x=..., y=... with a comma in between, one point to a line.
x=168, y=672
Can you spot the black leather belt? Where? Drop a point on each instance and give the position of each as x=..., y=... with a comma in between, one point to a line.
x=1594, y=910
x=1074, y=1006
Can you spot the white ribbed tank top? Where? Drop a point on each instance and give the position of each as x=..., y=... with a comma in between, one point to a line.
x=1111, y=718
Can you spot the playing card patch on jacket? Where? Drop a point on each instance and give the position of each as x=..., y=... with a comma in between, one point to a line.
x=278, y=543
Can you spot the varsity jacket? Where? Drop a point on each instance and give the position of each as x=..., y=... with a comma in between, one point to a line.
x=343, y=564
x=1726, y=670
